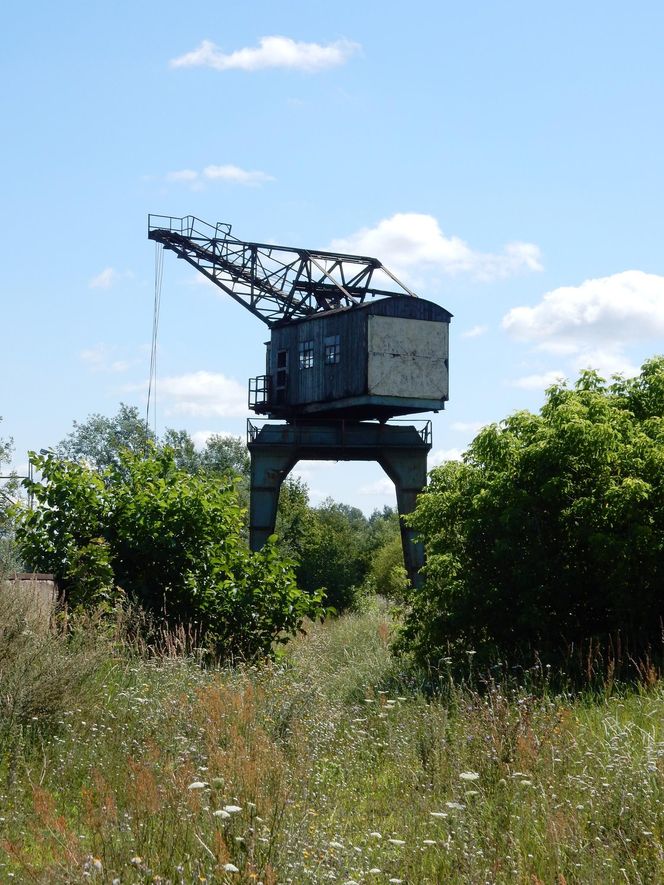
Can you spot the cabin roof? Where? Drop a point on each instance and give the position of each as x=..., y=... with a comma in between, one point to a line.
x=376, y=306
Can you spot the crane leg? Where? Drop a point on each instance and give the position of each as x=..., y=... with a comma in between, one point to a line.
x=269, y=468
x=408, y=471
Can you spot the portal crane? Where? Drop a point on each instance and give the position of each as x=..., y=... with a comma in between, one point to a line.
x=350, y=347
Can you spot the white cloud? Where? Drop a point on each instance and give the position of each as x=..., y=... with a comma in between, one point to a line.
x=413, y=241
x=224, y=172
x=624, y=307
x=105, y=279
x=200, y=437
x=272, y=52
x=187, y=175
x=606, y=360
x=592, y=324
x=108, y=278
x=229, y=172
x=382, y=486
x=539, y=381
x=475, y=332
x=203, y=394
x=442, y=455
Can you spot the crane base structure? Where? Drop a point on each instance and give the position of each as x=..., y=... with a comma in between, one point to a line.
x=401, y=450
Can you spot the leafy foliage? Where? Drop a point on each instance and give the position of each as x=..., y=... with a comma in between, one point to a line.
x=552, y=530
x=336, y=546
x=172, y=541
x=99, y=440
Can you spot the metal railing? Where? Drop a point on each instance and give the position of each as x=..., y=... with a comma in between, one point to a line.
x=299, y=432
x=260, y=389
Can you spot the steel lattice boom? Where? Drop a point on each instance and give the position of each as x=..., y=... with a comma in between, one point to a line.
x=276, y=283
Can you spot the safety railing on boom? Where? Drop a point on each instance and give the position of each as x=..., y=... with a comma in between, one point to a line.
x=190, y=226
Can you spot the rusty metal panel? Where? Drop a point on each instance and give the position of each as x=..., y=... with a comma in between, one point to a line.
x=407, y=358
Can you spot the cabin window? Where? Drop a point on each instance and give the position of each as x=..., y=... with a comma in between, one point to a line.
x=282, y=375
x=306, y=351
x=332, y=350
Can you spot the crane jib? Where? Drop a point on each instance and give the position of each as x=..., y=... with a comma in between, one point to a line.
x=276, y=283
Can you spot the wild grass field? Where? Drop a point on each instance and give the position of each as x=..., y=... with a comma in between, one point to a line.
x=329, y=765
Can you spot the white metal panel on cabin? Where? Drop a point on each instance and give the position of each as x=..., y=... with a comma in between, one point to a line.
x=407, y=358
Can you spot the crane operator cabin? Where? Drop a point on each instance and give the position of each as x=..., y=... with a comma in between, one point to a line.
x=347, y=341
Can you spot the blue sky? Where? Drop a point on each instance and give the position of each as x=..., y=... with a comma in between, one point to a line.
x=504, y=158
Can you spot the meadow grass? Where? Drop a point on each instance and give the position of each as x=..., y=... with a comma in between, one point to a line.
x=329, y=765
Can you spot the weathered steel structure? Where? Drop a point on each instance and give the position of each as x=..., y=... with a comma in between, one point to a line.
x=350, y=347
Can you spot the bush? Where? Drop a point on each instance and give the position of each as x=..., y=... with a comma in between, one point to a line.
x=551, y=532
x=172, y=541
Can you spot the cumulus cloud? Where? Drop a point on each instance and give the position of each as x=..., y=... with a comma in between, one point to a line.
x=225, y=172
x=592, y=324
x=621, y=308
x=203, y=394
x=413, y=241
x=271, y=52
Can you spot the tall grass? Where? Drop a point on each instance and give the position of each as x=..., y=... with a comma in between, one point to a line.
x=330, y=766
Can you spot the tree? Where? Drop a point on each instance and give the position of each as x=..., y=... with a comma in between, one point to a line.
x=99, y=440
x=333, y=553
x=172, y=541
x=225, y=453
x=551, y=531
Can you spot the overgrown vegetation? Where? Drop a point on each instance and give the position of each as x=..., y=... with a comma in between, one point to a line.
x=333, y=546
x=548, y=540
x=329, y=765
x=166, y=539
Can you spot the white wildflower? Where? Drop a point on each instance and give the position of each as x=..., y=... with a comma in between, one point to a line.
x=469, y=776
x=232, y=809
x=222, y=813
x=198, y=785
x=230, y=868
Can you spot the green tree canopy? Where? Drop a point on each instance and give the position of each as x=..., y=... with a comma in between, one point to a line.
x=551, y=531
x=100, y=440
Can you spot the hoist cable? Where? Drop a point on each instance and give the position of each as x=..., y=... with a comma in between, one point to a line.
x=152, y=382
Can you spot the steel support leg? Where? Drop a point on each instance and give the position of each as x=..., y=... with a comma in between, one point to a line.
x=276, y=448
x=408, y=472
x=269, y=468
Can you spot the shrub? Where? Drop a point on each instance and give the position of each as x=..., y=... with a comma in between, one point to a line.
x=172, y=541
x=551, y=532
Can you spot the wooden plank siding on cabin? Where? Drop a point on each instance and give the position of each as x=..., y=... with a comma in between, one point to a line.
x=411, y=334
